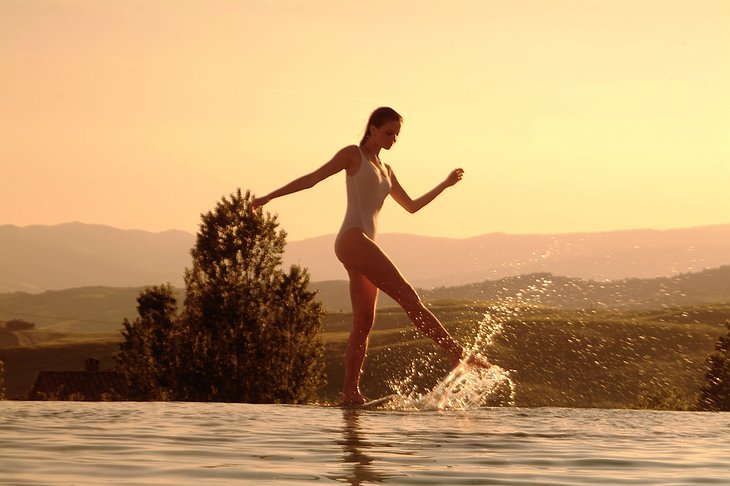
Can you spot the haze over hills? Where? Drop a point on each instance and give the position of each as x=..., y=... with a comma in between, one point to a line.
x=435, y=262
x=39, y=258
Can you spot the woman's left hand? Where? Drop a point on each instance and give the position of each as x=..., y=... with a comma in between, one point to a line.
x=455, y=177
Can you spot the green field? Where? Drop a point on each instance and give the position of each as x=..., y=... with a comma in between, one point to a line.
x=612, y=359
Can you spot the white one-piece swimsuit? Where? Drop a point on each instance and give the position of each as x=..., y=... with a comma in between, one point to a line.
x=366, y=191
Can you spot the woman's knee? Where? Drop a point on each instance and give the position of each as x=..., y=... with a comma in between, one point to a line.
x=359, y=337
x=364, y=320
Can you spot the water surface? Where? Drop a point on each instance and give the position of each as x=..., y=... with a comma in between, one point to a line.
x=80, y=443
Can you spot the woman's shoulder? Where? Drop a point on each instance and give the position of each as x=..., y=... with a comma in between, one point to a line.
x=350, y=158
x=354, y=153
x=352, y=150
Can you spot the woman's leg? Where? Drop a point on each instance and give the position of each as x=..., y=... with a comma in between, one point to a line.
x=363, y=256
x=363, y=295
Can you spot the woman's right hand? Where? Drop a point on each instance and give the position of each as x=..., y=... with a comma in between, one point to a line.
x=258, y=202
x=455, y=176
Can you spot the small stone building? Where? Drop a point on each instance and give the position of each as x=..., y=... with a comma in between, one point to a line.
x=88, y=385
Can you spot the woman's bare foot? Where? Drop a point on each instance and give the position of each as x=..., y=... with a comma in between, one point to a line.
x=478, y=360
x=350, y=400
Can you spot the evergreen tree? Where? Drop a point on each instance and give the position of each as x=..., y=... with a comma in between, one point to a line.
x=148, y=355
x=249, y=332
x=715, y=393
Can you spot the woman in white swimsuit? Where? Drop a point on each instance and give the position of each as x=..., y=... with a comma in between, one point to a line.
x=369, y=181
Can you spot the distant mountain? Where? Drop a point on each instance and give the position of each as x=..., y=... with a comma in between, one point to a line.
x=434, y=262
x=38, y=258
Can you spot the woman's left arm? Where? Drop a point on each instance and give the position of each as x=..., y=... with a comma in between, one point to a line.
x=413, y=205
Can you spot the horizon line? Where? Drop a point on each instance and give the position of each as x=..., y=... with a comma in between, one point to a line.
x=392, y=233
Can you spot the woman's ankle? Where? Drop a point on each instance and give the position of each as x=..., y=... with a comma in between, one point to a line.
x=350, y=398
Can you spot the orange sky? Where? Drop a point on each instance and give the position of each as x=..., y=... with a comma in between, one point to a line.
x=567, y=116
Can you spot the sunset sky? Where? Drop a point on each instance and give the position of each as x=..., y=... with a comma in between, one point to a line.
x=567, y=115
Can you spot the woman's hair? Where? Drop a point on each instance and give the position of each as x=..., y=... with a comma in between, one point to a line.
x=380, y=117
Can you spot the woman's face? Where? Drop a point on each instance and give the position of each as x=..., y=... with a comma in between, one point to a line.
x=387, y=134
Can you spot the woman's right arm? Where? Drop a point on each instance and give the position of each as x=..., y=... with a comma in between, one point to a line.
x=342, y=160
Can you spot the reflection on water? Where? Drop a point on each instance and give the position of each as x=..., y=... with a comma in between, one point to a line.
x=359, y=468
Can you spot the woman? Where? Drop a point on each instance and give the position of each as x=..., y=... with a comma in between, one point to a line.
x=368, y=182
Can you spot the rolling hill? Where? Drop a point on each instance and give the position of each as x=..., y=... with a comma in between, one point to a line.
x=707, y=287
x=102, y=309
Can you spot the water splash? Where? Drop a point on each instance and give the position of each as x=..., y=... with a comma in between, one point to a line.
x=466, y=387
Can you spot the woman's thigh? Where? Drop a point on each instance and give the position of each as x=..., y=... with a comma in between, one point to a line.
x=361, y=255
